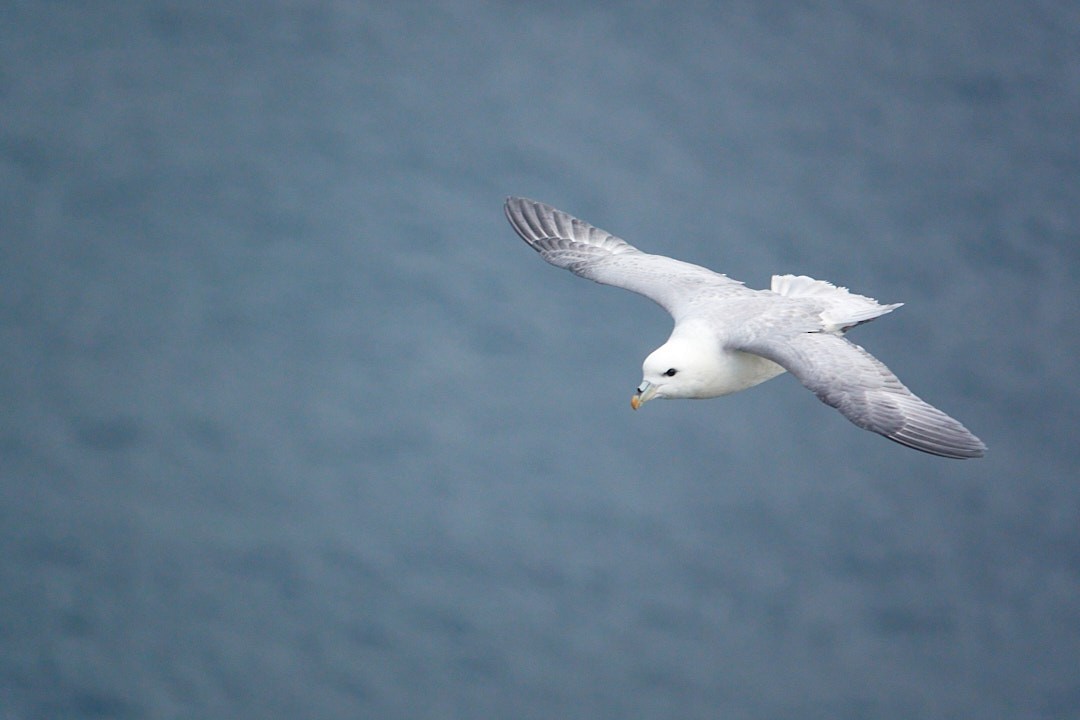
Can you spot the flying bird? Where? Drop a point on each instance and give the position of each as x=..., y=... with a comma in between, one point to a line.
x=728, y=337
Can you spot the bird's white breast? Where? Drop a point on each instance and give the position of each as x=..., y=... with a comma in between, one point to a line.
x=737, y=371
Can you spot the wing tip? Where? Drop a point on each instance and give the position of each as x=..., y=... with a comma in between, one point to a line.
x=523, y=217
x=955, y=443
x=545, y=227
x=952, y=453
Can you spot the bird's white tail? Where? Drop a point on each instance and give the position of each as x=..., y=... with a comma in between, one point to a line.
x=843, y=309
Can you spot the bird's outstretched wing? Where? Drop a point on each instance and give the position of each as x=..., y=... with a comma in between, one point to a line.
x=859, y=385
x=566, y=242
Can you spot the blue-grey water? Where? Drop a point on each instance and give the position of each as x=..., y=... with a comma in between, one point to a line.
x=292, y=425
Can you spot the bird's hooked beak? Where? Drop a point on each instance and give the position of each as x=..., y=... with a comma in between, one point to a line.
x=645, y=392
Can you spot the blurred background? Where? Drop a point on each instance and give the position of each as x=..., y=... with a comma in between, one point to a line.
x=293, y=425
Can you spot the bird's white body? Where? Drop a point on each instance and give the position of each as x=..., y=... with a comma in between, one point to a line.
x=728, y=337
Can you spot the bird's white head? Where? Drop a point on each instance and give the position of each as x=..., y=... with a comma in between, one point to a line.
x=680, y=368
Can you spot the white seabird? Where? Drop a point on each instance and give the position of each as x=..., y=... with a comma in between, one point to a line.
x=728, y=337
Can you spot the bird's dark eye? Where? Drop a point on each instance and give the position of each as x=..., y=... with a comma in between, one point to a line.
x=671, y=372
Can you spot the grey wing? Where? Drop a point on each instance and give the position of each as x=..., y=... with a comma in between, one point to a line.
x=572, y=244
x=859, y=385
